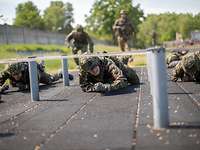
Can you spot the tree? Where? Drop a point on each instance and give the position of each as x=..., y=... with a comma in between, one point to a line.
x=104, y=13
x=28, y=15
x=167, y=25
x=59, y=16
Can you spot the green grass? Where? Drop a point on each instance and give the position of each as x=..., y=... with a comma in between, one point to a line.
x=11, y=51
x=34, y=47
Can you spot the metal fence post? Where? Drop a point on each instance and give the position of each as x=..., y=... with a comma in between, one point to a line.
x=159, y=78
x=34, y=85
x=65, y=71
x=149, y=69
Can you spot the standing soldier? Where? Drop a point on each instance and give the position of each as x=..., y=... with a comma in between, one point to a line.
x=102, y=74
x=18, y=74
x=188, y=69
x=154, y=35
x=123, y=30
x=79, y=40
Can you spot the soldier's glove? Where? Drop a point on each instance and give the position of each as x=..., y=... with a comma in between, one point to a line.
x=100, y=87
x=4, y=88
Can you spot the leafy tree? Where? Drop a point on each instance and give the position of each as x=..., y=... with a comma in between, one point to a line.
x=104, y=13
x=28, y=15
x=167, y=24
x=59, y=16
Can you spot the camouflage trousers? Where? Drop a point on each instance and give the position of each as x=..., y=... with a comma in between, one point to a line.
x=75, y=50
x=123, y=43
x=131, y=75
x=188, y=69
x=43, y=77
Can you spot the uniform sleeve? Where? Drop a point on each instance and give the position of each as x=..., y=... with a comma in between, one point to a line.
x=3, y=77
x=119, y=80
x=90, y=43
x=85, y=85
x=115, y=25
x=69, y=37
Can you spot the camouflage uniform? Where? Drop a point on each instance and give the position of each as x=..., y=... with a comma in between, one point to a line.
x=188, y=69
x=23, y=82
x=174, y=57
x=123, y=29
x=113, y=75
x=79, y=40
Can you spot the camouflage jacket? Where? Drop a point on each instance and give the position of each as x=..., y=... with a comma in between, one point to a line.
x=79, y=39
x=175, y=55
x=110, y=78
x=123, y=28
x=189, y=65
x=21, y=67
x=7, y=74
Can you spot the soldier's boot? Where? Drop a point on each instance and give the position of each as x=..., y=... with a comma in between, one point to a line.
x=177, y=74
x=55, y=77
x=4, y=88
x=60, y=75
x=132, y=76
x=187, y=78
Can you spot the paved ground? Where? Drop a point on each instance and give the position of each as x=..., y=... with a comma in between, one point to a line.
x=68, y=119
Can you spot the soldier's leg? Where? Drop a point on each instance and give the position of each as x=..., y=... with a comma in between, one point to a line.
x=46, y=78
x=126, y=45
x=75, y=51
x=132, y=76
x=84, y=49
x=121, y=43
x=178, y=72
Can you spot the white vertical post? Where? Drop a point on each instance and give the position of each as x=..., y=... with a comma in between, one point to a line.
x=34, y=85
x=160, y=99
x=149, y=69
x=65, y=71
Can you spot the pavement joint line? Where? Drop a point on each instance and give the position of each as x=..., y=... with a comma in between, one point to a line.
x=12, y=118
x=137, y=113
x=194, y=100
x=19, y=114
x=68, y=120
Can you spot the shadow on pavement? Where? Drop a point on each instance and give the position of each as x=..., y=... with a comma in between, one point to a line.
x=4, y=135
x=194, y=126
x=127, y=90
x=54, y=100
x=178, y=93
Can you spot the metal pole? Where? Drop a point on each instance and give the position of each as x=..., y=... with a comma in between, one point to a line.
x=65, y=72
x=160, y=99
x=149, y=69
x=34, y=85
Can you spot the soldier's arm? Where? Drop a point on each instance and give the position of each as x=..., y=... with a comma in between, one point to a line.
x=85, y=85
x=115, y=26
x=68, y=38
x=3, y=77
x=90, y=43
x=119, y=80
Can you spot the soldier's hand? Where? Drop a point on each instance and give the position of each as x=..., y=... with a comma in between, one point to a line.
x=100, y=87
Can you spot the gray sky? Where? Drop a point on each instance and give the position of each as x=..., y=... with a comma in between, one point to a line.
x=82, y=7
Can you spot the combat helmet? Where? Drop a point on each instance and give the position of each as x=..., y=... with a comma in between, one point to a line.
x=123, y=12
x=88, y=63
x=79, y=28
